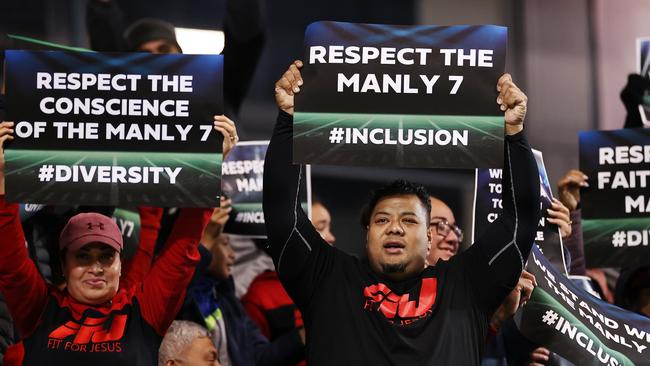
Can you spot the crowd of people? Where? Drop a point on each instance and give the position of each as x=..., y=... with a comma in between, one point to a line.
x=71, y=297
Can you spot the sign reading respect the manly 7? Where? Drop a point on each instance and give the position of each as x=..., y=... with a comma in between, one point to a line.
x=94, y=128
x=410, y=96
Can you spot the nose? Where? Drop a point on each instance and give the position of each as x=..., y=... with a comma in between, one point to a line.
x=96, y=267
x=395, y=228
x=329, y=237
x=452, y=239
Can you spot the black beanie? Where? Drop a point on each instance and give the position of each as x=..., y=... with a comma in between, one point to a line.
x=148, y=29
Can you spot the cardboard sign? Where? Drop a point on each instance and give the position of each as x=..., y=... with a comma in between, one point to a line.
x=616, y=205
x=401, y=96
x=113, y=129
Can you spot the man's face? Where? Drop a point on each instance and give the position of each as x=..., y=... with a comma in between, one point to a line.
x=322, y=221
x=201, y=352
x=92, y=273
x=442, y=246
x=398, y=237
x=223, y=258
x=158, y=46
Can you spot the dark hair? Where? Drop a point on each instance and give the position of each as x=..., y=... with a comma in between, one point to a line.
x=398, y=187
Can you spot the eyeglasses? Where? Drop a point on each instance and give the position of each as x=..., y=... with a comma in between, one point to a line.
x=443, y=227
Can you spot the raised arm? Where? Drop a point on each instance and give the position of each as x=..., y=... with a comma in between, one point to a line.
x=162, y=291
x=20, y=281
x=497, y=258
x=302, y=258
x=136, y=269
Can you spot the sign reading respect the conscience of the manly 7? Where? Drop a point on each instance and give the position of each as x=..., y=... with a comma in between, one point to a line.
x=114, y=129
x=616, y=205
x=406, y=96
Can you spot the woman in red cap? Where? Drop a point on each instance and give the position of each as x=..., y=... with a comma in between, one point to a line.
x=96, y=319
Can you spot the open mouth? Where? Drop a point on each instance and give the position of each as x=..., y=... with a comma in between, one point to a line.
x=394, y=248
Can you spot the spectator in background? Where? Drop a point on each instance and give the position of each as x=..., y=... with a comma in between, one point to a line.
x=187, y=344
x=636, y=92
x=446, y=236
x=244, y=41
x=268, y=303
x=211, y=301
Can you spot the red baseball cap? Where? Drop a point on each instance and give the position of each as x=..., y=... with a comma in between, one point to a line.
x=87, y=228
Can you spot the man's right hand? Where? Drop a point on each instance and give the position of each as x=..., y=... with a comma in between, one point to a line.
x=6, y=134
x=288, y=85
x=569, y=188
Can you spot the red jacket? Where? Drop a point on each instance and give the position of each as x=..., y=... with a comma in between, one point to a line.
x=270, y=307
x=57, y=330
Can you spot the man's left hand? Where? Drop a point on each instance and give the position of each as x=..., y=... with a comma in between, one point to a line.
x=513, y=102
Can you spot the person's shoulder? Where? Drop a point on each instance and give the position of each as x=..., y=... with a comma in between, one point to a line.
x=263, y=281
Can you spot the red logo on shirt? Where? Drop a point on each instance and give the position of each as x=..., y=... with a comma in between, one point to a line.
x=94, y=335
x=401, y=309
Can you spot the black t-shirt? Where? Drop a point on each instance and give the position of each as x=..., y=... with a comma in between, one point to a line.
x=354, y=317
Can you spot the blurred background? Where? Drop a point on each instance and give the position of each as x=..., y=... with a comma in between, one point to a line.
x=571, y=57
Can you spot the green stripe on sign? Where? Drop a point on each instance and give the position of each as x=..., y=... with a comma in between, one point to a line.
x=307, y=123
x=570, y=327
x=24, y=160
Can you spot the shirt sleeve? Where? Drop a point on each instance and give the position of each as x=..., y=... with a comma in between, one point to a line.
x=136, y=269
x=21, y=283
x=493, y=264
x=301, y=257
x=161, y=293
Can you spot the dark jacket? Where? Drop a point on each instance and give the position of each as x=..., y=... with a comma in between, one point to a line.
x=246, y=344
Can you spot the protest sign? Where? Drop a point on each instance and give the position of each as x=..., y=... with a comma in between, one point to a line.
x=488, y=207
x=579, y=327
x=243, y=180
x=406, y=96
x=616, y=205
x=113, y=129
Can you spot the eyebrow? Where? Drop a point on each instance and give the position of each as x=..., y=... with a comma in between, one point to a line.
x=407, y=213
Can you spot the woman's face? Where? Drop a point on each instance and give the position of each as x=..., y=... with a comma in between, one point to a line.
x=92, y=273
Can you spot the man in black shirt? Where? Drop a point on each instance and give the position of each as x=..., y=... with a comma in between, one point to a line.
x=392, y=310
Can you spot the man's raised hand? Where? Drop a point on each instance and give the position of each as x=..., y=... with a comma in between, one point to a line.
x=513, y=102
x=288, y=86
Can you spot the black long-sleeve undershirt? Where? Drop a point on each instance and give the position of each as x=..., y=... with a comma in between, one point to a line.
x=327, y=284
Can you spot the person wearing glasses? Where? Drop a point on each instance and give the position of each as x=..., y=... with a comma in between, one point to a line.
x=446, y=236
